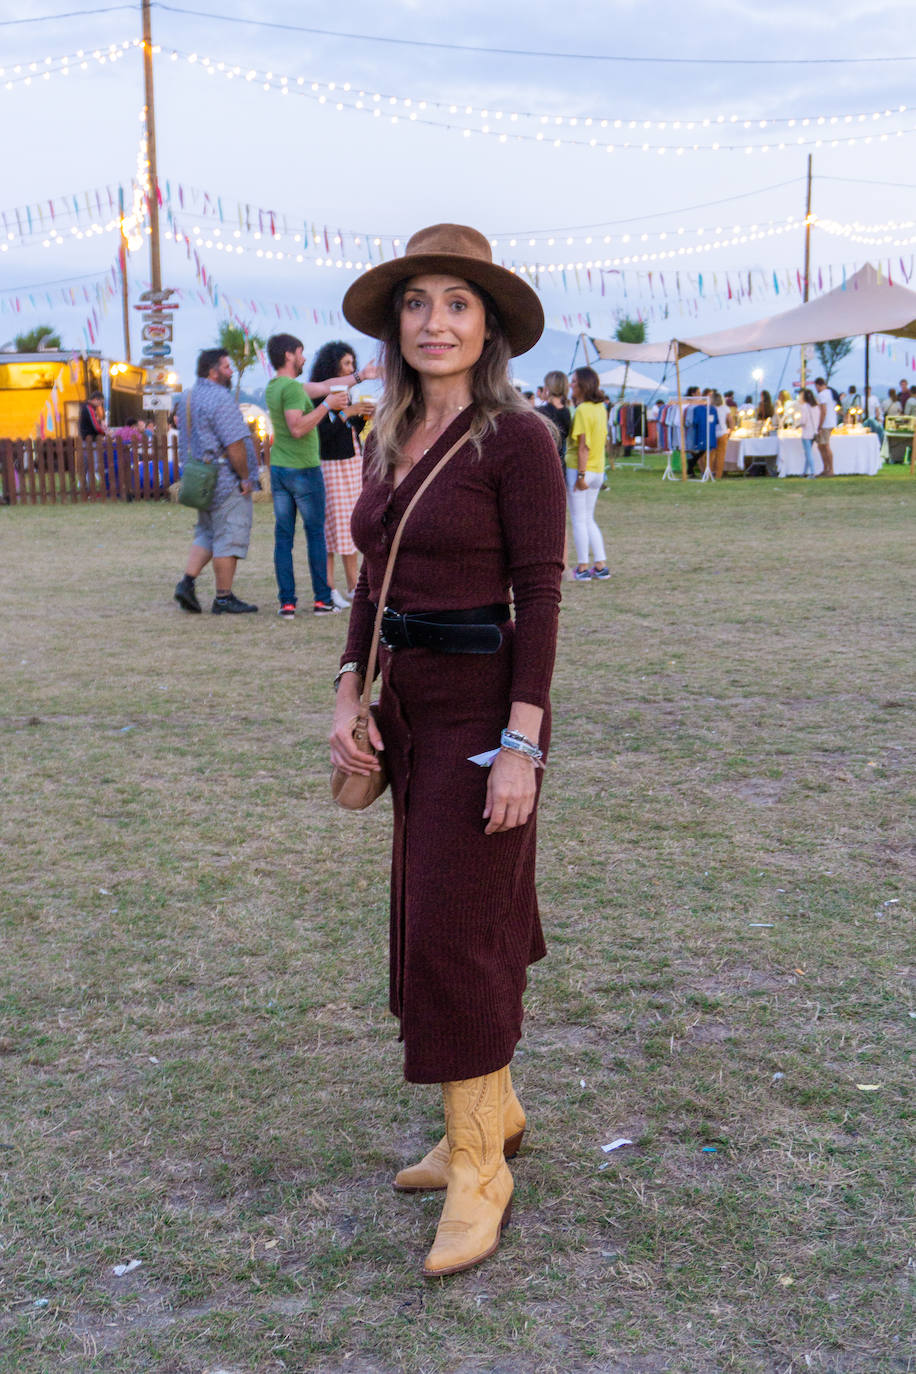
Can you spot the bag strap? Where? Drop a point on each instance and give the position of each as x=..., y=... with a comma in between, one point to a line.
x=187, y=421
x=386, y=581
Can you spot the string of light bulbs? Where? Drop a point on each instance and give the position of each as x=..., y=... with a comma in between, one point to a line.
x=354, y=263
x=496, y=123
x=409, y=109
x=874, y=235
x=42, y=69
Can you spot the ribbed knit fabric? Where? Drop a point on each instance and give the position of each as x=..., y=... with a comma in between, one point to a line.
x=464, y=913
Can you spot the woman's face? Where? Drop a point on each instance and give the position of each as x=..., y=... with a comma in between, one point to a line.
x=575, y=391
x=347, y=365
x=442, y=326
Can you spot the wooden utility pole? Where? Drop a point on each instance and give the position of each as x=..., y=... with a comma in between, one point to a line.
x=807, y=280
x=155, y=268
x=122, y=263
x=150, y=112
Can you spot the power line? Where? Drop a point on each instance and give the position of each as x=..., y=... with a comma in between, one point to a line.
x=704, y=60
x=658, y=214
x=860, y=181
x=58, y=281
x=69, y=14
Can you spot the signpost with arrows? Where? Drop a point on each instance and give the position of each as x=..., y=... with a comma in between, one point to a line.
x=156, y=329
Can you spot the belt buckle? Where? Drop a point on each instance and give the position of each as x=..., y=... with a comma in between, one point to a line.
x=389, y=612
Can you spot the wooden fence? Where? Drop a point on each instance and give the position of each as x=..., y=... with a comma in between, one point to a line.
x=41, y=472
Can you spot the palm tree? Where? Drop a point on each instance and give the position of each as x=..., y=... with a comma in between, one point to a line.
x=37, y=340
x=241, y=346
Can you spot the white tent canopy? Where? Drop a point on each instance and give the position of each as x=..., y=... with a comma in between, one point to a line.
x=629, y=377
x=866, y=304
x=641, y=353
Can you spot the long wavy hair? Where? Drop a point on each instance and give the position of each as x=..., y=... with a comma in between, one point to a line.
x=401, y=406
x=326, y=363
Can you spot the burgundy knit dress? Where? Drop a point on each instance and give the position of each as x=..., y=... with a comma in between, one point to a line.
x=464, y=912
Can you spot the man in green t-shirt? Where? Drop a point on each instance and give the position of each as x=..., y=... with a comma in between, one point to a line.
x=296, y=480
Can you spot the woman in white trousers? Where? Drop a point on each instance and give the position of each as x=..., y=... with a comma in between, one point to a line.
x=585, y=461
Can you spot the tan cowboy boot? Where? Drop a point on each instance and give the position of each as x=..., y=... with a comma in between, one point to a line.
x=478, y=1203
x=432, y=1171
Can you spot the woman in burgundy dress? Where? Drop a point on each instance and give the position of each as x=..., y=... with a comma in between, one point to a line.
x=460, y=677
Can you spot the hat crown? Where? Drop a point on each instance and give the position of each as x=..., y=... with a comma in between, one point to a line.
x=458, y=240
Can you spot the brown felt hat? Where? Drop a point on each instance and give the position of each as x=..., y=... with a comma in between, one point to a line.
x=453, y=250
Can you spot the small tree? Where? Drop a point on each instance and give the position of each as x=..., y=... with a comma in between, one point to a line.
x=37, y=340
x=241, y=346
x=631, y=332
x=831, y=353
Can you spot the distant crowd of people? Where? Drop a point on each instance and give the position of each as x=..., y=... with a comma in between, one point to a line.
x=315, y=472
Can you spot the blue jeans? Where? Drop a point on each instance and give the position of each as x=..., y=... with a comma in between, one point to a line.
x=299, y=489
x=809, y=457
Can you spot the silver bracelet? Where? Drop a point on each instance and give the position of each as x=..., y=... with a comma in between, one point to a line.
x=352, y=667
x=518, y=743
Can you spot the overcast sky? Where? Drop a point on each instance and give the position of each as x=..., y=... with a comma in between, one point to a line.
x=348, y=170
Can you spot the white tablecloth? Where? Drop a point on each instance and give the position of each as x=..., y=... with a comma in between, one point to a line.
x=852, y=453
x=737, y=450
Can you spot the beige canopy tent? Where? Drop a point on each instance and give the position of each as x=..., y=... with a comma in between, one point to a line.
x=867, y=303
x=628, y=353
x=628, y=376
x=639, y=353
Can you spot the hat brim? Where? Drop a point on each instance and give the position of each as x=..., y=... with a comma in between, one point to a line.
x=367, y=304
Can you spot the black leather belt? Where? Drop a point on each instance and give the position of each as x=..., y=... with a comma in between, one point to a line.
x=448, y=632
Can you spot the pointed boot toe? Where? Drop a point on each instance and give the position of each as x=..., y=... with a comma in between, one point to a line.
x=429, y=1175
x=472, y=1232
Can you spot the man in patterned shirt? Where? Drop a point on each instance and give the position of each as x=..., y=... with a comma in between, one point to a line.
x=220, y=434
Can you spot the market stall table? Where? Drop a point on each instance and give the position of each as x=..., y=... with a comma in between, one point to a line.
x=740, y=449
x=852, y=454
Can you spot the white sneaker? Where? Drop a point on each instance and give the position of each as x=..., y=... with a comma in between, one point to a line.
x=339, y=601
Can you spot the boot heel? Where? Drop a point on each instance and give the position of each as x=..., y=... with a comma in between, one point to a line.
x=507, y=1217
x=513, y=1144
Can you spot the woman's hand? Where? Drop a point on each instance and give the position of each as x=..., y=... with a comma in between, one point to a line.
x=344, y=753
x=510, y=792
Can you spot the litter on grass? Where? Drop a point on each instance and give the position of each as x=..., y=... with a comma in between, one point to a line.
x=868, y=1087
x=616, y=1144
x=120, y=1270
x=777, y=1076
x=710, y=1150
x=761, y=925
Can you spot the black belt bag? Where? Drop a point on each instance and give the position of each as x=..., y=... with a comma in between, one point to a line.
x=447, y=632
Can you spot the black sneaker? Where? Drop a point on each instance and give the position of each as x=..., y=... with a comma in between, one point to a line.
x=230, y=605
x=325, y=608
x=186, y=596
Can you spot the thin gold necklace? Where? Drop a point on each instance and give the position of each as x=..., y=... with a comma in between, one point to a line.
x=441, y=431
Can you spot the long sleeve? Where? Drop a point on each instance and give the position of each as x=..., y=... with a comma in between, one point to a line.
x=532, y=511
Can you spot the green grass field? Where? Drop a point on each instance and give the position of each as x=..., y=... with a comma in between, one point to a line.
x=197, y=1068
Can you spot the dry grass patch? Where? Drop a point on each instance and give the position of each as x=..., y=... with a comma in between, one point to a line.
x=197, y=1064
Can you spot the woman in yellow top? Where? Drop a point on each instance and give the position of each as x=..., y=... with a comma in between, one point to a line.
x=585, y=450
